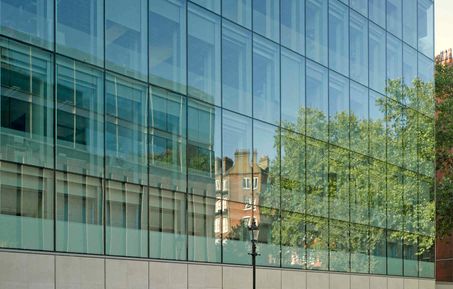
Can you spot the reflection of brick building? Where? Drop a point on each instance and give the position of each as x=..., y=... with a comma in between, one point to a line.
x=243, y=180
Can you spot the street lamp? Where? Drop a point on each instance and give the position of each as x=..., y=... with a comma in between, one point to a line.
x=254, y=232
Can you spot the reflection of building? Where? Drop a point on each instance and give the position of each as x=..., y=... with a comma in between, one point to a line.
x=445, y=57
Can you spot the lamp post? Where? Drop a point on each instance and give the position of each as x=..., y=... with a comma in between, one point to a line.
x=254, y=232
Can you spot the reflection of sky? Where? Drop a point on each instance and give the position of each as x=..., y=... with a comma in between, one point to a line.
x=444, y=14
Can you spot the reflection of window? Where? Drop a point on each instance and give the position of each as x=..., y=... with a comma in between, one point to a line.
x=246, y=183
x=217, y=185
x=255, y=183
x=225, y=185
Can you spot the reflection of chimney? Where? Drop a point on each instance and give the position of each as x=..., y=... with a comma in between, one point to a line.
x=227, y=164
x=264, y=162
x=241, y=157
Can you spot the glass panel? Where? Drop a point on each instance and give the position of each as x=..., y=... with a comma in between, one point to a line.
x=377, y=193
x=125, y=131
x=358, y=120
x=316, y=30
x=204, y=149
x=426, y=27
x=359, y=240
x=239, y=11
x=235, y=220
x=395, y=215
x=167, y=44
x=426, y=141
x=204, y=55
x=126, y=37
x=358, y=190
x=167, y=225
x=410, y=238
x=293, y=91
x=292, y=18
x=26, y=207
x=394, y=17
x=293, y=240
x=80, y=30
x=79, y=214
x=292, y=172
x=410, y=22
x=268, y=245
x=126, y=219
x=338, y=179
x=266, y=80
x=409, y=76
x=360, y=6
x=378, y=254
x=80, y=118
x=339, y=247
x=266, y=164
x=377, y=12
x=167, y=140
x=317, y=243
x=358, y=38
x=317, y=100
x=237, y=158
x=26, y=79
x=394, y=133
x=236, y=68
x=410, y=138
x=394, y=67
x=338, y=110
x=213, y=5
x=205, y=235
x=426, y=89
x=316, y=178
x=338, y=34
x=377, y=54
x=427, y=227
x=377, y=125
x=28, y=20
x=266, y=18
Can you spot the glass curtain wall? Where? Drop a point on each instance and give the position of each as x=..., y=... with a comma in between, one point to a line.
x=163, y=128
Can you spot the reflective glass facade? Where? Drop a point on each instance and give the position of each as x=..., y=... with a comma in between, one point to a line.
x=162, y=128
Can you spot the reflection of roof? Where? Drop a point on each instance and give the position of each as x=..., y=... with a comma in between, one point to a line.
x=241, y=163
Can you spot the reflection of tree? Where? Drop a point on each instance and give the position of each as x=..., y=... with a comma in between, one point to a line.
x=330, y=209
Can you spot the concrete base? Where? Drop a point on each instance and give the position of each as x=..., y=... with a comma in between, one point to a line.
x=46, y=271
x=444, y=285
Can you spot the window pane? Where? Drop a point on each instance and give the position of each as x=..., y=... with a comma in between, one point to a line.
x=204, y=237
x=339, y=248
x=204, y=149
x=358, y=129
x=239, y=11
x=236, y=68
x=292, y=171
x=268, y=221
x=126, y=37
x=317, y=100
x=426, y=142
x=293, y=91
x=377, y=125
x=338, y=110
x=266, y=18
x=359, y=240
x=360, y=6
x=80, y=30
x=378, y=254
x=236, y=218
x=394, y=67
x=167, y=44
x=394, y=17
x=316, y=30
x=79, y=214
x=426, y=27
x=409, y=76
x=266, y=80
x=427, y=229
x=126, y=219
x=338, y=34
x=410, y=228
x=338, y=178
x=293, y=240
x=317, y=236
x=426, y=75
x=28, y=20
x=377, y=54
x=26, y=104
x=213, y=5
x=410, y=138
x=167, y=140
x=237, y=157
x=394, y=220
x=167, y=225
x=358, y=37
x=266, y=164
x=359, y=184
x=394, y=133
x=126, y=111
x=410, y=22
x=204, y=55
x=80, y=120
x=377, y=12
x=292, y=27
x=26, y=207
